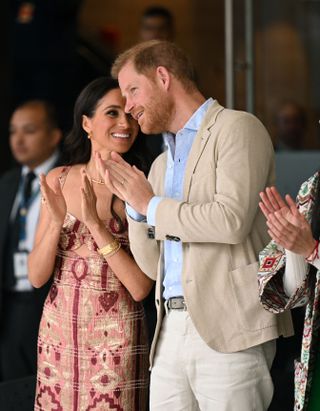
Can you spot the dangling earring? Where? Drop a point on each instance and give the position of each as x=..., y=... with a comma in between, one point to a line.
x=89, y=135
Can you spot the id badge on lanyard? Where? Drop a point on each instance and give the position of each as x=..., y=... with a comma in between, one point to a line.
x=20, y=264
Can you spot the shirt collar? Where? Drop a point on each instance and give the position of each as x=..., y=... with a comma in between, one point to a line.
x=195, y=120
x=193, y=123
x=44, y=167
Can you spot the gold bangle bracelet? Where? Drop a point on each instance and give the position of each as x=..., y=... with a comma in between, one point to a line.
x=109, y=249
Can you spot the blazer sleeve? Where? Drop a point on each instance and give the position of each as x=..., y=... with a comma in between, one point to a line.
x=243, y=161
x=145, y=249
x=272, y=262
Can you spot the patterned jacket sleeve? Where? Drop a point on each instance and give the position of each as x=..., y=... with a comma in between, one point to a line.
x=272, y=261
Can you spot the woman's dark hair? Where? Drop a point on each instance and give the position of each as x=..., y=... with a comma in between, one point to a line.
x=77, y=146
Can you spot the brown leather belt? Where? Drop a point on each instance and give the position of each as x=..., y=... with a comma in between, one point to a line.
x=176, y=303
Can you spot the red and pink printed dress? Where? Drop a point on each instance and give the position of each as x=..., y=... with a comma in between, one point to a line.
x=92, y=345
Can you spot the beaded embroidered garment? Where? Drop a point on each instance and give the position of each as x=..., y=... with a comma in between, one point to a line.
x=274, y=299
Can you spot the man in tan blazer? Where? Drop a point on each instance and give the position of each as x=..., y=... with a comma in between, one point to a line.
x=195, y=227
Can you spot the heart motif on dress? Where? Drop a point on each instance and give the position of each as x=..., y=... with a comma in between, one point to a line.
x=53, y=293
x=108, y=299
x=117, y=392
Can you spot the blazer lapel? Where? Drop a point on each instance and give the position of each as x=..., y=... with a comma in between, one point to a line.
x=11, y=189
x=199, y=144
x=8, y=191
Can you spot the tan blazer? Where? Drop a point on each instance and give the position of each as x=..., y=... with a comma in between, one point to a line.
x=221, y=229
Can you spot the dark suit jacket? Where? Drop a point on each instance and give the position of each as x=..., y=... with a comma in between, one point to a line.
x=9, y=183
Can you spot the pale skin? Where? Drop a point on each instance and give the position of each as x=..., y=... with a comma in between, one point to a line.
x=286, y=226
x=127, y=182
x=93, y=210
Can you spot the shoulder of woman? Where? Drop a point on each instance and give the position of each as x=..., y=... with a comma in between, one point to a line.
x=56, y=172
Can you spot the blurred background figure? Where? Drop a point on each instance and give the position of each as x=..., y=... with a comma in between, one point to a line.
x=156, y=24
x=49, y=55
x=34, y=140
x=290, y=127
x=44, y=56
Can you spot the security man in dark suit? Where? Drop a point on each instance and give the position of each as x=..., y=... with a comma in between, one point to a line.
x=34, y=140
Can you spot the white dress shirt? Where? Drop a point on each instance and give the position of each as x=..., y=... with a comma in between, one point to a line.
x=23, y=284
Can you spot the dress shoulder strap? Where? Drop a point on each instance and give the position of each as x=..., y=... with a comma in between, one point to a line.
x=63, y=175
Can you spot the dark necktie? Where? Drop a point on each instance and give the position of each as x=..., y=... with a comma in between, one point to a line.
x=27, y=186
x=17, y=230
x=24, y=205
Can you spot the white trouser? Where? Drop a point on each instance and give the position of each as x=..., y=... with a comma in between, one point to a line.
x=188, y=375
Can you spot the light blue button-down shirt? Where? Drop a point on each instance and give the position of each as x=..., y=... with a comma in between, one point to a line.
x=179, y=147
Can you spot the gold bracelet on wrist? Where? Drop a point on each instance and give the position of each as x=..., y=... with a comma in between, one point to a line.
x=110, y=249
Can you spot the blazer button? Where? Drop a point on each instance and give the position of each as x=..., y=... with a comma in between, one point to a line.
x=151, y=233
x=172, y=238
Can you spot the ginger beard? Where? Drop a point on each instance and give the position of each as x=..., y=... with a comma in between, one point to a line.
x=157, y=113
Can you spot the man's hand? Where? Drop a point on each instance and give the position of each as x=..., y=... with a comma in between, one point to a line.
x=125, y=181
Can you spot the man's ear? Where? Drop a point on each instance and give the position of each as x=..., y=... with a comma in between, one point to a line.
x=163, y=77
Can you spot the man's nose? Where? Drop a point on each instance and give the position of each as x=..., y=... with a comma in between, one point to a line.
x=128, y=106
x=17, y=136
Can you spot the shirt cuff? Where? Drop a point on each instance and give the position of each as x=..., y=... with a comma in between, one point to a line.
x=132, y=213
x=152, y=208
x=295, y=272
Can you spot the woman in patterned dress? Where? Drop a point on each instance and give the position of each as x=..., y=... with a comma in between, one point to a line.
x=289, y=276
x=92, y=345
